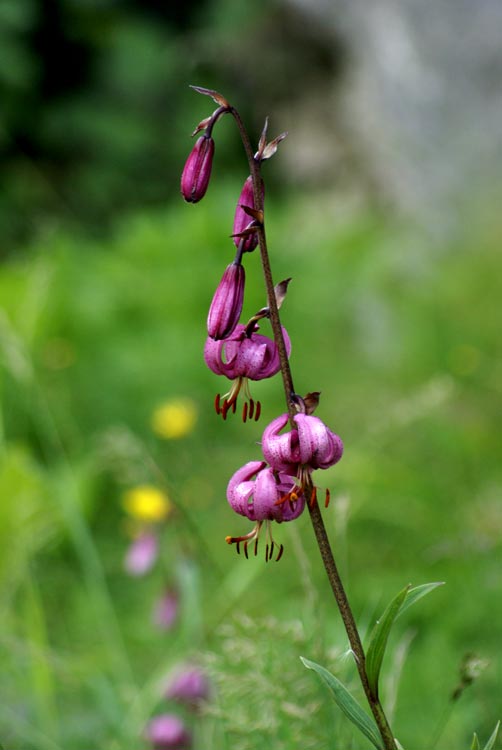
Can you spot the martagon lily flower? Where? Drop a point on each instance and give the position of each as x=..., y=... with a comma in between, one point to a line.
x=244, y=355
x=257, y=491
x=298, y=452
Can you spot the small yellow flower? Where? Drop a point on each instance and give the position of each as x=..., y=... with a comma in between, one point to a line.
x=147, y=503
x=174, y=418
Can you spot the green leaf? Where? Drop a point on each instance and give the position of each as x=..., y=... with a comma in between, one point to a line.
x=475, y=742
x=379, y=638
x=491, y=742
x=380, y=633
x=416, y=593
x=347, y=704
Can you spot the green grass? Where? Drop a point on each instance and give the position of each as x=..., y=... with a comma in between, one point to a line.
x=401, y=335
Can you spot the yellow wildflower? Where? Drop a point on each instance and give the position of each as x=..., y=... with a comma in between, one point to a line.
x=147, y=503
x=174, y=418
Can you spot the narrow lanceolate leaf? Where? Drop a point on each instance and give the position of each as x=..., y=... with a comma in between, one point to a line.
x=379, y=638
x=347, y=704
x=417, y=592
x=475, y=742
x=491, y=742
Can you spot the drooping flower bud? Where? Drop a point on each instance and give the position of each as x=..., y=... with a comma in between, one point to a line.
x=168, y=732
x=226, y=307
x=197, y=170
x=242, y=220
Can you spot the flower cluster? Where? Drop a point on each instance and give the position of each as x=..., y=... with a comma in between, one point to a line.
x=278, y=487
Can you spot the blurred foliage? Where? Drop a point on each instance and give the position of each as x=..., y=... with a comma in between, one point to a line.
x=97, y=336
x=97, y=113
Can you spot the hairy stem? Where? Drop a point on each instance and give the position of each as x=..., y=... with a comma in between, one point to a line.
x=315, y=513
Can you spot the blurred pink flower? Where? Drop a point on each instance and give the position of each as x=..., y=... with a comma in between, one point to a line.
x=189, y=686
x=168, y=732
x=142, y=554
x=166, y=610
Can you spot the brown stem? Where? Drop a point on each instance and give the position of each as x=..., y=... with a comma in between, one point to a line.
x=315, y=513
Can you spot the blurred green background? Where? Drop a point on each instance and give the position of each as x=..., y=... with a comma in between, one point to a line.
x=105, y=281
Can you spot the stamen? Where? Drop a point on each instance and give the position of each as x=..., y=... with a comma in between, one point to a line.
x=217, y=404
x=246, y=549
x=224, y=410
x=238, y=548
x=313, y=497
x=251, y=408
x=281, y=550
x=234, y=405
x=266, y=553
x=272, y=548
x=256, y=546
x=328, y=496
x=258, y=411
x=245, y=411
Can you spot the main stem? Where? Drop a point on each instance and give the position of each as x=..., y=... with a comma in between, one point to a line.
x=315, y=513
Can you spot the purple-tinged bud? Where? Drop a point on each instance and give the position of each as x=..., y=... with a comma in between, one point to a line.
x=226, y=306
x=189, y=686
x=168, y=732
x=197, y=170
x=166, y=610
x=141, y=554
x=242, y=220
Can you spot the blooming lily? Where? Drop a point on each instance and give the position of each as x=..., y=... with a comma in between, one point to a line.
x=257, y=491
x=244, y=355
x=298, y=452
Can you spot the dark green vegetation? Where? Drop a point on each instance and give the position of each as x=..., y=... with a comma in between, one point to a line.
x=402, y=337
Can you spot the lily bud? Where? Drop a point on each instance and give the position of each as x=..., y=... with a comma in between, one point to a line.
x=226, y=306
x=197, y=170
x=242, y=220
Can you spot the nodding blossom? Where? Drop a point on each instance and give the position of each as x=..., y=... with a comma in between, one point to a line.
x=298, y=452
x=257, y=492
x=197, y=170
x=244, y=355
x=242, y=220
x=226, y=307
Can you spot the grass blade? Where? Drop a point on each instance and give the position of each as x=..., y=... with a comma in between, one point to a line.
x=416, y=593
x=379, y=638
x=491, y=742
x=347, y=704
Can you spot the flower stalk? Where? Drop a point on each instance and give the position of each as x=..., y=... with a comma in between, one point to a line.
x=262, y=493
x=314, y=510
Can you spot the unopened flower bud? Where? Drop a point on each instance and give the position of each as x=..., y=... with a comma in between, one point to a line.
x=197, y=170
x=226, y=306
x=242, y=220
